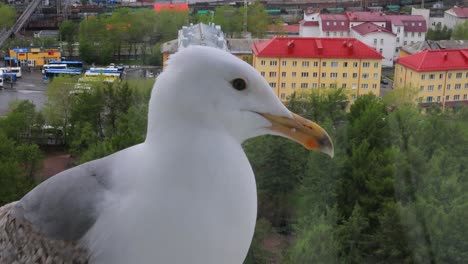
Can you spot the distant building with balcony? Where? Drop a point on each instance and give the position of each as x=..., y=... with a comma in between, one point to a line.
x=440, y=76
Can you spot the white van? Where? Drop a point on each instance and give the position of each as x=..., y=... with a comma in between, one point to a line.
x=16, y=70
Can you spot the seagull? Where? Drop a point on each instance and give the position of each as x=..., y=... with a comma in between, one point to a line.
x=187, y=194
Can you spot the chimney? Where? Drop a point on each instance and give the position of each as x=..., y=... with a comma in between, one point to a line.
x=445, y=55
x=318, y=42
x=291, y=45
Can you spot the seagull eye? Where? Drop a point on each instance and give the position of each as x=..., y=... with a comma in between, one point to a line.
x=239, y=84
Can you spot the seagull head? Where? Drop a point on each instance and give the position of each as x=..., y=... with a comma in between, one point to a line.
x=209, y=87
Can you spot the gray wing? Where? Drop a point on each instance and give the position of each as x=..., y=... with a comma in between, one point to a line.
x=66, y=205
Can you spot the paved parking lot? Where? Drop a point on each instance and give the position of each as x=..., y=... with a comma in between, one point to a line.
x=29, y=87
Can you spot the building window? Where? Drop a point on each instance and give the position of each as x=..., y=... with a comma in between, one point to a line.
x=456, y=97
x=430, y=88
x=262, y=73
x=466, y=85
x=448, y=87
x=439, y=87
x=465, y=96
x=449, y=75
x=283, y=85
x=376, y=64
x=345, y=64
x=431, y=76
x=283, y=74
x=315, y=63
x=342, y=23
x=327, y=33
x=293, y=74
x=376, y=75
x=334, y=75
x=304, y=85
x=273, y=85
x=334, y=64
x=328, y=23
x=419, y=34
x=315, y=74
x=438, y=98
x=355, y=64
x=324, y=64
x=365, y=64
x=458, y=75
x=304, y=74
x=354, y=75
x=343, y=86
x=293, y=85
x=322, y=85
x=458, y=86
x=283, y=63
x=364, y=86
x=354, y=86
x=273, y=63
x=345, y=75
x=353, y=97
x=447, y=98
x=421, y=88
x=332, y=85
x=294, y=63
x=406, y=35
x=305, y=64
x=405, y=42
x=334, y=23
x=324, y=74
x=272, y=74
x=429, y=99
x=314, y=85
x=262, y=62
x=365, y=75
x=374, y=86
x=423, y=77
x=375, y=42
x=398, y=39
x=398, y=29
x=441, y=76
x=283, y=96
x=381, y=41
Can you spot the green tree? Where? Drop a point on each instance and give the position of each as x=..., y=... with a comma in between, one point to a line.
x=439, y=33
x=257, y=19
x=68, y=31
x=7, y=16
x=460, y=31
x=230, y=20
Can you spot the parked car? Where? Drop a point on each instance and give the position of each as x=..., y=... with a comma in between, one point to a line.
x=383, y=81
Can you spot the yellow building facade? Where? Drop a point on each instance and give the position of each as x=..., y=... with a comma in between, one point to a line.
x=439, y=76
x=34, y=56
x=305, y=64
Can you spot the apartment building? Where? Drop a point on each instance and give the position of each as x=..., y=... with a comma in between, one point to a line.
x=304, y=64
x=440, y=76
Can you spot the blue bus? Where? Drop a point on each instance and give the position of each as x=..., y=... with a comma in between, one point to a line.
x=76, y=65
x=52, y=72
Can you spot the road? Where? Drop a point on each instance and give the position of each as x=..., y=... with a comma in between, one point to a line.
x=28, y=87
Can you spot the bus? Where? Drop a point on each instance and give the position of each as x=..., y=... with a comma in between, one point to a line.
x=15, y=70
x=52, y=72
x=76, y=65
x=53, y=66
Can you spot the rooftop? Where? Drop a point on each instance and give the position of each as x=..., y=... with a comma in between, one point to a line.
x=436, y=60
x=315, y=48
x=334, y=22
x=242, y=46
x=461, y=12
x=364, y=16
x=203, y=35
x=435, y=45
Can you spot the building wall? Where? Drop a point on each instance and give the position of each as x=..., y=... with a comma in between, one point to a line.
x=35, y=56
x=309, y=31
x=288, y=75
x=434, y=86
x=451, y=20
x=382, y=42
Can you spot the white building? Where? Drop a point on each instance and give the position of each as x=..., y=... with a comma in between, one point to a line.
x=431, y=21
x=379, y=38
x=394, y=30
x=455, y=16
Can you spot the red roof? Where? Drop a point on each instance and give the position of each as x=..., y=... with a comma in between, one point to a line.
x=368, y=27
x=309, y=23
x=363, y=16
x=461, y=12
x=334, y=22
x=437, y=60
x=411, y=23
x=176, y=7
x=298, y=47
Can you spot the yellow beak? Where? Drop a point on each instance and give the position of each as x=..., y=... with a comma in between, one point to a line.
x=303, y=131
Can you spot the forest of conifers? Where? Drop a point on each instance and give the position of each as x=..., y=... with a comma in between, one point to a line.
x=395, y=192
